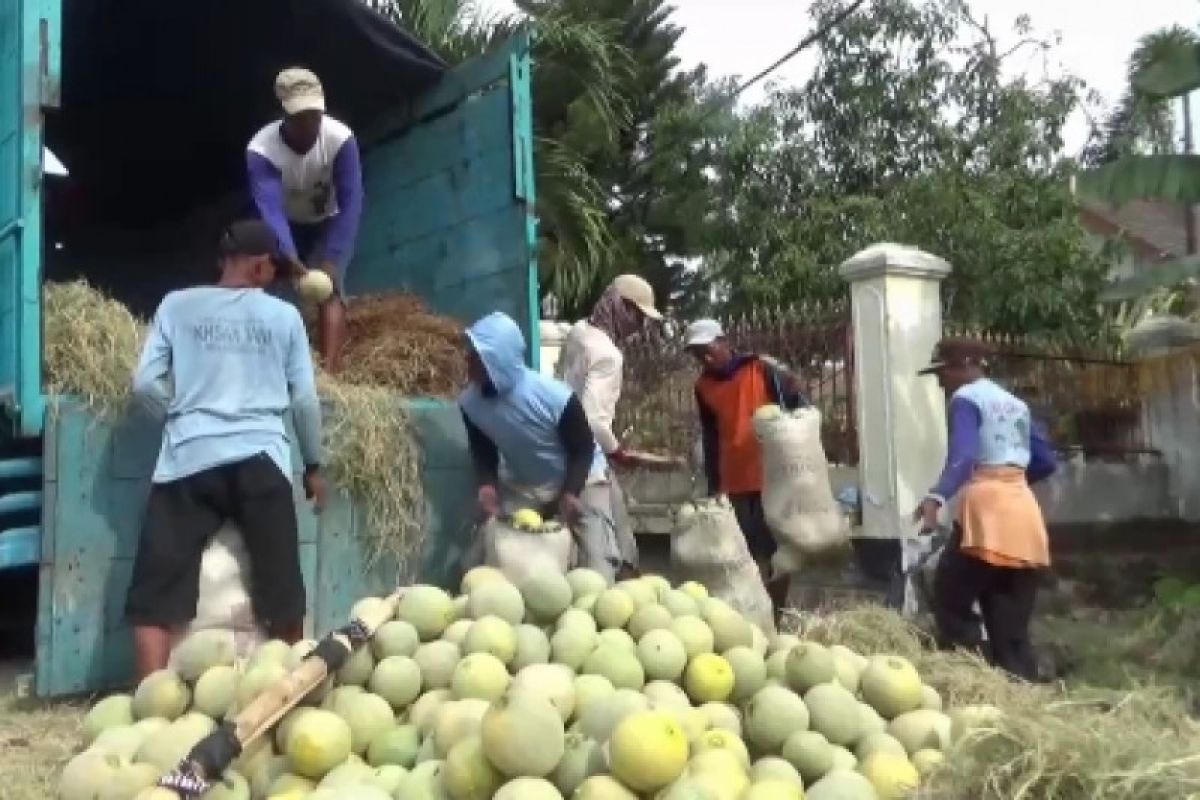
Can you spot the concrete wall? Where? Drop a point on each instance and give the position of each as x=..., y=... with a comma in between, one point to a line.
x=1095, y=492
x=1171, y=415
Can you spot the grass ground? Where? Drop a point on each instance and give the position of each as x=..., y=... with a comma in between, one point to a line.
x=36, y=739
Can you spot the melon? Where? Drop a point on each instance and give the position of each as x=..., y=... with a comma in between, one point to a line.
x=202, y=650
x=112, y=712
x=723, y=716
x=891, y=685
x=619, y=665
x=497, y=599
x=662, y=655
x=270, y=771
x=843, y=758
x=585, y=581
x=457, y=631
x=256, y=680
x=589, y=690
x=930, y=699
x=456, y=721
x=694, y=590
x=773, y=714
x=642, y=592
x=768, y=413
x=86, y=775
x=437, y=661
x=129, y=780
x=231, y=786
x=599, y=719
x=396, y=679
x=123, y=742
x=771, y=789
x=846, y=670
x=319, y=741
x=151, y=725
x=477, y=576
x=722, y=740
x=574, y=618
x=928, y=762
x=314, y=286
x=834, y=713
x=423, y=713
x=388, y=778
x=357, y=669
x=616, y=638
x=481, y=676
x=695, y=634
x=547, y=595
x=922, y=730
x=878, y=743
x=572, y=646
x=161, y=694
x=395, y=638
x=842, y=784
x=773, y=768
x=708, y=678
x=582, y=759
x=467, y=774
x=275, y=651
x=528, y=789
x=397, y=745
x=284, y=727
x=679, y=603
x=288, y=787
x=168, y=747
x=602, y=787
x=215, y=691
x=553, y=682
x=810, y=753
x=586, y=603
x=367, y=715
x=871, y=721
x=424, y=782
x=338, y=696
x=428, y=609
x=649, y=617
x=533, y=647
x=809, y=664
x=647, y=751
x=777, y=667
x=893, y=777
x=749, y=672
x=512, y=724
x=782, y=642
x=719, y=772
x=427, y=751
x=614, y=608
x=664, y=694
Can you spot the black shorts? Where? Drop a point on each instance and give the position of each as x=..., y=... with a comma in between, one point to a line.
x=748, y=509
x=181, y=518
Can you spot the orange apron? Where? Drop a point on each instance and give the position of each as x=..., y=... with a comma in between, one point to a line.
x=1001, y=521
x=733, y=403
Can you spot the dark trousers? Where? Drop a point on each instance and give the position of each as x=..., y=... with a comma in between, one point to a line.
x=1006, y=596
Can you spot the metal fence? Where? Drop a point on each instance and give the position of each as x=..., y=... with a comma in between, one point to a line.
x=1090, y=399
x=657, y=410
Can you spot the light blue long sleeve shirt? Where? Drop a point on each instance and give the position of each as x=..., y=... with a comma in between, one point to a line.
x=225, y=366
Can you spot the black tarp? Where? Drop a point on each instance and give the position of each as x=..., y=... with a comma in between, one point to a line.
x=160, y=97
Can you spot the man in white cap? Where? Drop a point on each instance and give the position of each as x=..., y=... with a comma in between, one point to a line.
x=306, y=180
x=591, y=363
x=731, y=387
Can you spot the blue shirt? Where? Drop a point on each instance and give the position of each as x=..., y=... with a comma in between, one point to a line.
x=226, y=365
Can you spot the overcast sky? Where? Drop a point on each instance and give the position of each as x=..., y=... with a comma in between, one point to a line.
x=741, y=37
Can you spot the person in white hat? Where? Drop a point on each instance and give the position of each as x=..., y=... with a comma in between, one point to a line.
x=731, y=387
x=306, y=181
x=591, y=363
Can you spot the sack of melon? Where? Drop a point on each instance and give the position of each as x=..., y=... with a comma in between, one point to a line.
x=522, y=544
x=560, y=686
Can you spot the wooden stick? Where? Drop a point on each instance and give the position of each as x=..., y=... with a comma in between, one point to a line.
x=257, y=719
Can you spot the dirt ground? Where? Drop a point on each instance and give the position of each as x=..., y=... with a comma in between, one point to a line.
x=1097, y=626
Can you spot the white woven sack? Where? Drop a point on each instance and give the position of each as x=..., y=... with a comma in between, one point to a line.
x=520, y=554
x=798, y=501
x=706, y=536
x=741, y=586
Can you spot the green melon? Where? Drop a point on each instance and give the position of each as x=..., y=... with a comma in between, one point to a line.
x=85, y=776
x=642, y=591
x=388, y=778
x=368, y=715
x=501, y=600
x=493, y=636
x=396, y=679
x=457, y=631
x=318, y=741
x=533, y=647
x=398, y=745
x=695, y=634
x=437, y=661
x=455, y=721
x=664, y=694
x=338, y=696
x=809, y=664
x=586, y=581
x=275, y=651
x=256, y=680
x=930, y=699
x=810, y=753
x=772, y=768
x=589, y=690
x=891, y=685
x=843, y=758
x=395, y=638
x=481, y=676
x=873, y=743
x=428, y=609
x=617, y=638
x=123, y=742
x=614, y=608
x=782, y=642
x=129, y=780
x=201, y=650
x=271, y=771
x=572, y=645
x=582, y=759
x=922, y=729
x=575, y=618
x=662, y=654
x=512, y=724
x=723, y=716
x=773, y=714
x=603, y=787
x=231, y=786
x=357, y=669
x=871, y=721
x=650, y=617
x=477, y=576
x=553, y=682
x=425, y=782
x=730, y=629
x=215, y=691
x=168, y=747
x=586, y=603
x=113, y=711
x=598, y=720
x=749, y=672
x=680, y=604
x=619, y=665
x=423, y=713
x=842, y=784
x=547, y=595
x=161, y=694
x=528, y=789
x=288, y=786
x=467, y=774
x=777, y=667
x=834, y=713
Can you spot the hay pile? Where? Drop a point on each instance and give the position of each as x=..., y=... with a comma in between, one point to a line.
x=92, y=345
x=1051, y=743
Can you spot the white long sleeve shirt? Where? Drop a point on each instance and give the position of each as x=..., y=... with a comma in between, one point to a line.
x=591, y=364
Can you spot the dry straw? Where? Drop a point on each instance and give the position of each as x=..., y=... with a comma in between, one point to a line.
x=92, y=344
x=1051, y=743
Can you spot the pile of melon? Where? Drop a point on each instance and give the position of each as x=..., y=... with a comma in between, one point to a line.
x=563, y=687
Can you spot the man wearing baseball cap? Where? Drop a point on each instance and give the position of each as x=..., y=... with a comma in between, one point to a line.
x=591, y=363
x=306, y=181
x=224, y=364
x=999, y=543
x=731, y=387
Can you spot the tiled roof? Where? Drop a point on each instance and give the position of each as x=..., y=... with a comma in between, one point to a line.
x=1153, y=228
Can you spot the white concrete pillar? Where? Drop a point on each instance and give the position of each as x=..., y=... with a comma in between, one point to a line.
x=897, y=317
x=552, y=335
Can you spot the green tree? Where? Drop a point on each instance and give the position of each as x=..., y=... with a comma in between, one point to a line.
x=909, y=131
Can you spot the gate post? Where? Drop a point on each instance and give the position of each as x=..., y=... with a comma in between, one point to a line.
x=897, y=318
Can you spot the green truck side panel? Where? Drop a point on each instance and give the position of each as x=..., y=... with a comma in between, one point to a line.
x=450, y=217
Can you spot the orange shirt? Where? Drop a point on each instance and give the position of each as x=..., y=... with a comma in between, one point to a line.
x=732, y=403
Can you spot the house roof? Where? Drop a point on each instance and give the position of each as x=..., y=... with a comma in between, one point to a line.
x=1153, y=228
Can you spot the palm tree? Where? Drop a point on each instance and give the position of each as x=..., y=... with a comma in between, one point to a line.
x=576, y=239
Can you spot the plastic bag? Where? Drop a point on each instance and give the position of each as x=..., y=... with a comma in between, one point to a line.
x=708, y=546
x=520, y=554
x=798, y=501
